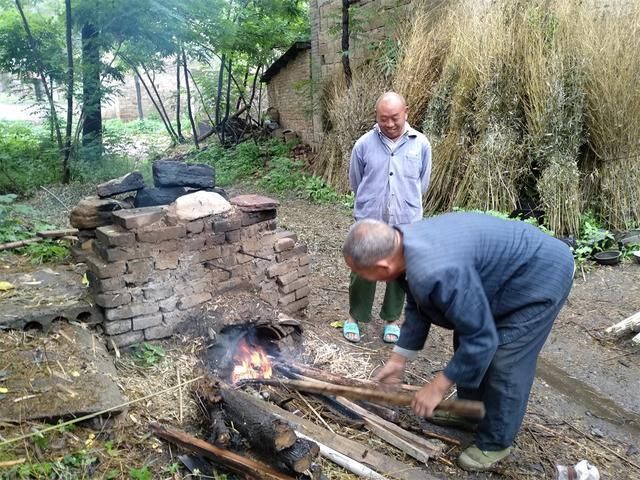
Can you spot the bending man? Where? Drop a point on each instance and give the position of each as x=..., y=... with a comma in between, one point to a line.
x=498, y=284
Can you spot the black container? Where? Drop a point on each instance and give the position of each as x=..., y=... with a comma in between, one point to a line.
x=610, y=257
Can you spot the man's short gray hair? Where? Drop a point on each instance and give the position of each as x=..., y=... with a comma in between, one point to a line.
x=369, y=241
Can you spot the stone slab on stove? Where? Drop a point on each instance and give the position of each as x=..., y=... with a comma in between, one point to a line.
x=254, y=203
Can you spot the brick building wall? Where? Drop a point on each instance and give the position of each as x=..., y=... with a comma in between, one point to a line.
x=289, y=90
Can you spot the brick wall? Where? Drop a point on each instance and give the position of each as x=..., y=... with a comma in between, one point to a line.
x=150, y=277
x=289, y=91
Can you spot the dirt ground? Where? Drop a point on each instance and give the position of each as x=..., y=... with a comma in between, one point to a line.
x=585, y=402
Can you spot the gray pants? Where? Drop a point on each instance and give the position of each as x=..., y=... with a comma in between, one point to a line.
x=507, y=383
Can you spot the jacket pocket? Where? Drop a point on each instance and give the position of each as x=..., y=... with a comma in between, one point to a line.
x=411, y=165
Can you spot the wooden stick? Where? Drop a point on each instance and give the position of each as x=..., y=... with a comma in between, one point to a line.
x=350, y=464
x=233, y=461
x=465, y=408
x=57, y=233
x=21, y=243
x=627, y=325
x=413, y=445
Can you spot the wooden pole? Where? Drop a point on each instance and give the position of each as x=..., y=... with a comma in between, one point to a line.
x=465, y=408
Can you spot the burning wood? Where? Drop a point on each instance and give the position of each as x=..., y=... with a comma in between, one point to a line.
x=250, y=362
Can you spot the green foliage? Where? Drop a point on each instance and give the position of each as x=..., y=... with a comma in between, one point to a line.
x=142, y=473
x=283, y=175
x=28, y=159
x=317, y=190
x=75, y=465
x=148, y=354
x=593, y=238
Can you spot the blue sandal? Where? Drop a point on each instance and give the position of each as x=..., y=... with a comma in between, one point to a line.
x=351, y=327
x=391, y=330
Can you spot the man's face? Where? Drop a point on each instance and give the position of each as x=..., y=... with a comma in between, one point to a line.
x=391, y=116
x=377, y=273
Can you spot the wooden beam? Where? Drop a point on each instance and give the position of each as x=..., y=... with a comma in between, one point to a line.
x=232, y=461
x=629, y=324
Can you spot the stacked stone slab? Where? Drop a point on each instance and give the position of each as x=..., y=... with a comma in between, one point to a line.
x=152, y=270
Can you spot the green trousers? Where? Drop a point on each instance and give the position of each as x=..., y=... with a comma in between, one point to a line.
x=362, y=293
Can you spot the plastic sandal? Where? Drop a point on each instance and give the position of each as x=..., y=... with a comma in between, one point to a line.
x=391, y=329
x=351, y=327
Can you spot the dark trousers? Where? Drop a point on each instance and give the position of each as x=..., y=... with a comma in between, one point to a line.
x=507, y=383
x=362, y=293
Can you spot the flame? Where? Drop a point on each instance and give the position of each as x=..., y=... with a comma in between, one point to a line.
x=250, y=362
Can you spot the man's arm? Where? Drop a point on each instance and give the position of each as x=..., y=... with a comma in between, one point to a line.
x=459, y=295
x=425, y=171
x=356, y=167
x=414, y=331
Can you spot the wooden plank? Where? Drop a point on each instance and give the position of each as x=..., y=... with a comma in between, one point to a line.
x=388, y=466
x=408, y=442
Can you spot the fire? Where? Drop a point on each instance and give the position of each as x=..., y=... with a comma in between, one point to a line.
x=250, y=362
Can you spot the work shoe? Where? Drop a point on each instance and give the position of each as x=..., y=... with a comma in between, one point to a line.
x=447, y=419
x=475, y=460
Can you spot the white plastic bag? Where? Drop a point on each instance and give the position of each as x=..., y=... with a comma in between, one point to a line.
x=582, y=470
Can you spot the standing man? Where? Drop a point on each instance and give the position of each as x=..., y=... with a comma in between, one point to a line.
x=498, y=284
x=389, y=171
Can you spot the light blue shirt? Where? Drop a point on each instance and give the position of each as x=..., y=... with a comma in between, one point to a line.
x=389, y=178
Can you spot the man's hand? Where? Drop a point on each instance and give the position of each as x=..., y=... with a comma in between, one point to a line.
x=429, y=397
x=393, y=370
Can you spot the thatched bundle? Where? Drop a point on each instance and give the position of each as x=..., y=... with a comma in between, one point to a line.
x=535, y=101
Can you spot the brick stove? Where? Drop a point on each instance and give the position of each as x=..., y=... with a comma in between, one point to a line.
x=155, y=267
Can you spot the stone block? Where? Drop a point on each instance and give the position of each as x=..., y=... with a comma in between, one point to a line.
x=102, y=269
x=157, y=292
x=288, y=277
x=295, y=285
x=287, y=234
x=167, y=261
x=223, y=224
x=250, y=218
x=193, y=244
x=126, y=339
x=112, y=300
x=283, y=244
x=294, y=252
x=104, y=285
x=146, y=321
x=198, y=205
x=127, y=183
x=170, y=173
x=162, y=233
x=168, y=304
x=303, y=292
x=160, y=331
x=131, y=310
x=92, y=212
x=304, y=260
x=196, y=226
x=216, y=239
x=116, y=327
x=297, y=305
x=115, y=236
x=282, y=268
x=287, y=299
x=210, y=253
x=138, y=217
x=254, y=203
x=193, y=300
x=152, y=197
x=233, y=236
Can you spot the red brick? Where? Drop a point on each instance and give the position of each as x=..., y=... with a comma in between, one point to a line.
x=211, y=253
x=157, y=292
x=131, y=310
x=193, y=244
x=168, y=304
x=215, y=239
x=287, y=234
x=232, y=236
x=250, y=218
x=193, y=300
x=295, y=252
x=288, y=277
x=196, y=226
x=303, y=292
x=297, y=305
x=138, y=217
x=161, y=234
x=282, y=268
x=299, y=283
x=146, y=321
x=287, y=299
x=126, y=339
x=304, y=260
x=116, y=327
x=104, y=285
x=101, y=269
x=167, y=261
x=227, y=224
x=112, y=300
x=115, y=236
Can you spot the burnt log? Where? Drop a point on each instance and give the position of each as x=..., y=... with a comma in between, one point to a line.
x=266, y=433
x=300, y=455
x=170, y=173
x=154, y=196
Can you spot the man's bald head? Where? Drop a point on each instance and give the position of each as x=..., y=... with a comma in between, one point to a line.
x=369, y=241
x=391, y=114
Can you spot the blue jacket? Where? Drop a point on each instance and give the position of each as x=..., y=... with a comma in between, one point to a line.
x=388, y=185
x=486, y=278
